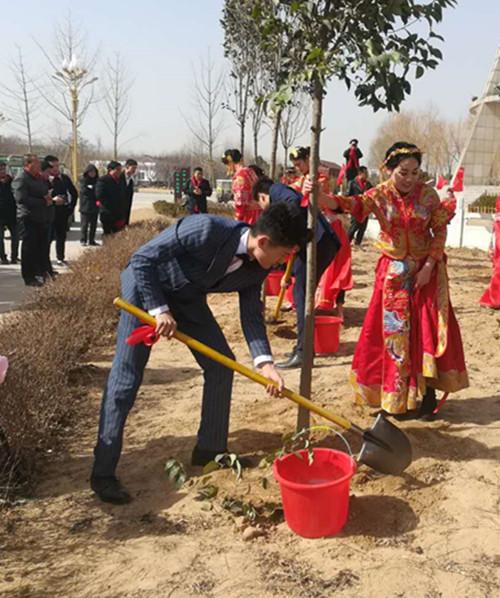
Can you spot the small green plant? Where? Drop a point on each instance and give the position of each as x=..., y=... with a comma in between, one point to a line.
x=225, y=461
x=175, y=472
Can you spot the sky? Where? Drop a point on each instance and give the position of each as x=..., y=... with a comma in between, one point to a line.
x=161, y=41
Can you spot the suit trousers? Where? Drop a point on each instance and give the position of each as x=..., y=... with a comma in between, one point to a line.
x=34, y=249
x=357, y=230
x=60, y=230
x=193, y=317
x=88, y=227
x=325, y=252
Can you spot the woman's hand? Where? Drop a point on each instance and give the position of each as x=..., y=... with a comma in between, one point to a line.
x=269, y=371
x=424, y=276
x=165, y=324
x=307, y=185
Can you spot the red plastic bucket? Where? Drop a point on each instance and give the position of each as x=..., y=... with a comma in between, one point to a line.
x=326, y=334
x=315, y=497
x=273, y=281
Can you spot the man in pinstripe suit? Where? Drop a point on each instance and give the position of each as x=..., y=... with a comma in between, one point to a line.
x=170, y=276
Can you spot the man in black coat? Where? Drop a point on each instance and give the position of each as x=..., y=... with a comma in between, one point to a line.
x=7, y=216
x=127, y=185
x=352, y=157
x=358, y=186
x=35, y=214
x=88, y=206
x=65, y=197
x=198, y=189
x=110, y=199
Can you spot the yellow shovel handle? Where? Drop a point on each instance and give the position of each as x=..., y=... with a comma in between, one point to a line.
x=233, y=365
x=286, y=276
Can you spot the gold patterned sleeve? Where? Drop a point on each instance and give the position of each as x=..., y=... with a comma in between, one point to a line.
x=360, y=206
x=440, y=217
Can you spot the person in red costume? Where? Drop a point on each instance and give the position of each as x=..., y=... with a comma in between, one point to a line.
x=337, y=278
x=410, y=343
x=244, y=178
x=491, y=297
x=352, y=157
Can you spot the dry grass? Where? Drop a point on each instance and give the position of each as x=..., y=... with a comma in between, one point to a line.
x=176, y=210
x=45, y=341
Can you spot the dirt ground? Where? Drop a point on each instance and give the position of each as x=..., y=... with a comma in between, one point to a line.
x=433, y=532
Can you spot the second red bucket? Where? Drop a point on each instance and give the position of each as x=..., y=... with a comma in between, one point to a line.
x=326, y=334
x=273, y=283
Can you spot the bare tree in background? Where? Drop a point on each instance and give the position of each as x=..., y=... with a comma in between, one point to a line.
x=116, y=103
x=294, y=121
x=70, y=90
x=22, y=100
x=258, y=110
x=207, y=95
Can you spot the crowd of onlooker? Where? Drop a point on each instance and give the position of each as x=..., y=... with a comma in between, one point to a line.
x=37, y=208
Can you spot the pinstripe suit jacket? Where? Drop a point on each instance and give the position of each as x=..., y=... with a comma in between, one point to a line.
x=189, y=259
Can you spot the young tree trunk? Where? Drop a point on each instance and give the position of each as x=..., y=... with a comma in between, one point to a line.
x=256, y=147
x=242, y=137
x=274, y=147
x=303, y=416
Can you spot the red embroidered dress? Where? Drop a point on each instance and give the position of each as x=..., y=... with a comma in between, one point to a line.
x=410, y=338
x=242, y=187
x=491, y=297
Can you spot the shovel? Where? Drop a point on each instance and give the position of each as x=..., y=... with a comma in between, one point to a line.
x=281, y=296
x=385, y=447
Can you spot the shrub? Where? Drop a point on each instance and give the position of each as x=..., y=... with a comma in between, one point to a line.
x=174, y=210
x=45, y=340
x=484, y=201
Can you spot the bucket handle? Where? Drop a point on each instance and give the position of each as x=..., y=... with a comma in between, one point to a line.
x=328, y=429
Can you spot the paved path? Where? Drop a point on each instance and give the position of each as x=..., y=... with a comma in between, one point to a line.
x=12, y=288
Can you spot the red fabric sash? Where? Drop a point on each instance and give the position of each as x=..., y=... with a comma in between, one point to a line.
x=143, y=334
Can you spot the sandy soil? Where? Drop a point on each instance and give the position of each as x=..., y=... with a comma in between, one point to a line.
x=432, y=532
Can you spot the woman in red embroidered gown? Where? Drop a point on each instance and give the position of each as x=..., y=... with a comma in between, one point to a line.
x=491, y=297
x=410, y=343
x=246, y=210
x=337, y=278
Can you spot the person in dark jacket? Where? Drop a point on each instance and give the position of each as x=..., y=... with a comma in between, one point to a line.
x=88, y=206
x=35, y=214
x=127, y=184
x=65, y=197
x=352, y=157
x=109, y=197
x=198, y=189
x=358, y=186
x=267, y=193
x=7, y=216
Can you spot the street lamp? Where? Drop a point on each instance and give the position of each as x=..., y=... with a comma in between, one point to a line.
x=73, y=76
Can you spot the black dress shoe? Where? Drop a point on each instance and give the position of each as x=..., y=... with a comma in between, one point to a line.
x=201, y=457
x=110, y=490
x=293, y=362
x=14, y=260
x=429, y=403
x=33, y=283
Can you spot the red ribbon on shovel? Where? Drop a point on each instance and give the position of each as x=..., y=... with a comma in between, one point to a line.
x=143, y=334
x=441, y=403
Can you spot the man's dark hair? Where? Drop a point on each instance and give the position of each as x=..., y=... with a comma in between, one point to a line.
x=130, y=162
x=112, y=165
x=198, y=169
x=363, y=169
x=257, y=169
x=354, y=141
x=232, y=155
x=51, y=158
x=282, y=223
x=263, y=185
x=29, y=159
x=45, y=165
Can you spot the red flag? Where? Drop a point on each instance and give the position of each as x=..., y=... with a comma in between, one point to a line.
x=441, y=182
x=458, y=181
x=340, y=178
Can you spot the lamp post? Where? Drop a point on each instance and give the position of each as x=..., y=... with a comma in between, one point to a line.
x=74, y=78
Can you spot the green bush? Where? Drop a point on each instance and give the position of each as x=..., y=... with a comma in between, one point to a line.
x=485, y=201
x=174, y=210
x=46, y=341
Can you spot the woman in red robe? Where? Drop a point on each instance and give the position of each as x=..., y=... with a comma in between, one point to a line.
x=243, y=180
x=491, y=297
x=410, y=343
x=337, y=278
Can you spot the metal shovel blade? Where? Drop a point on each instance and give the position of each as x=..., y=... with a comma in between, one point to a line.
x=386, y=448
